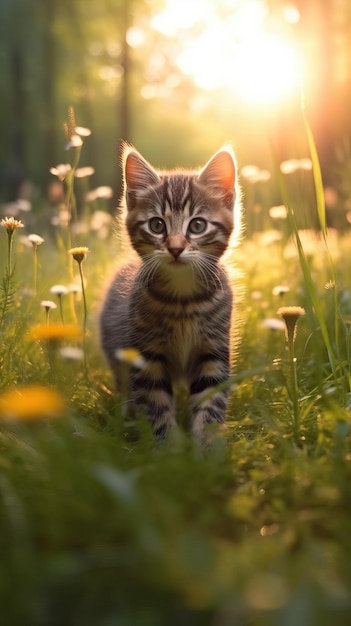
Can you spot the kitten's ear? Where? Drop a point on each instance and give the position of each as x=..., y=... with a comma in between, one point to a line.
x=138, y=173
x=220, y=174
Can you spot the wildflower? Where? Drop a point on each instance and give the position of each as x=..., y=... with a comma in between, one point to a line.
x=292, y=165
x=278, y=212
x=76, y=290
x=331, y=197
x=30, y=403
x=74, y=132
x=71, y=352
x=280, y=290
x=63, y=218
x=131, y=356
x=273, y=323
x=23, y=205
x=48, y=304
x=59, y=290
x=249, y=172
x=269, y=237
x=104, y=191
x=79, y=253
x=35, y=240
x=61, y=170
x=100, y=219
x=305, y=164
x=82, y=131
x=82, y=172
x=254, y=174
x=75, y=141
x=11, y=224
x=256, y=294
x=54, y=332
x=290, y=315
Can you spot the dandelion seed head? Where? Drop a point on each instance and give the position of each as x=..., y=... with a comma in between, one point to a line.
x=59, y=290
x=280, y=290
x=36, y=240
x=48, y=304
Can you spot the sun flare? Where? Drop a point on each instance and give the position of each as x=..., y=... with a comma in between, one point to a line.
x=239, y=53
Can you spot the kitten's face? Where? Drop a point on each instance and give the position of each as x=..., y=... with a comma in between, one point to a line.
x=180, y=220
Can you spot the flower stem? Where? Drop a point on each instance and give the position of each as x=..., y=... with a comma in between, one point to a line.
x=7, y=278
x=35, y=269
x=294, y=385
x=85, y=317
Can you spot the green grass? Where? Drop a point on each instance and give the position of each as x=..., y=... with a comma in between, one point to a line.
x=101, y=526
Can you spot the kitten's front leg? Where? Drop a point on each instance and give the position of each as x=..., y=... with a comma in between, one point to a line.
x=153, y=396
x=209, y=402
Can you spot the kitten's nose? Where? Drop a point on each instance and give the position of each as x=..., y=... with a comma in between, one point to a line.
x=176, y=252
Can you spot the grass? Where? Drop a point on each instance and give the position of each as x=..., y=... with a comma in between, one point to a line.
x=100, y=526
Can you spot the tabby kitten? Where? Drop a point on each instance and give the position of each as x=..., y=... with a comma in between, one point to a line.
x=174, y=303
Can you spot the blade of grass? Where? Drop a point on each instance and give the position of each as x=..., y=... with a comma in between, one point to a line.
x=315, y=306
x=317, y=175
x=320, y=203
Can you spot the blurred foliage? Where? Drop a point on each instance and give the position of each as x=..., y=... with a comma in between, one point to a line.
x=57, y=53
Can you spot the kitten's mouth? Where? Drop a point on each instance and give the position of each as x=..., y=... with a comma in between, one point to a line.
x=175, y=262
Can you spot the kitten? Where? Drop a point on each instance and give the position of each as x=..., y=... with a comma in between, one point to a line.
x=174, y=303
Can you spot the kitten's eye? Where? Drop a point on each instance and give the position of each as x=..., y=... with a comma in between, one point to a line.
x=157, y=225
x=197, y=226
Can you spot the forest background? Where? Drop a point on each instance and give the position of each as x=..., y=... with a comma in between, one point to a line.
x=167, y=77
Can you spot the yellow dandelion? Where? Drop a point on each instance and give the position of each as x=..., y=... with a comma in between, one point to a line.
x=54, y=332
x=131, y=356
x=11, y=224
x=30, y=403
x=79, y=253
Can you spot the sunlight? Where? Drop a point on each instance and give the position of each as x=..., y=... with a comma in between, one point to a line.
x=238, y=53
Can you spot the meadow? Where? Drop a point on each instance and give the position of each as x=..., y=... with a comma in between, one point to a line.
x=101, y=526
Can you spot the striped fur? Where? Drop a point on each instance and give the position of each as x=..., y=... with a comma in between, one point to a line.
x=174, y=304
